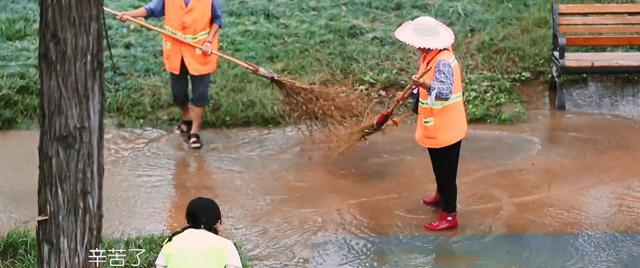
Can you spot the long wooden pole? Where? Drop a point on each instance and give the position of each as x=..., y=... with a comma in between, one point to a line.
x=249, y=66
x=406, y=92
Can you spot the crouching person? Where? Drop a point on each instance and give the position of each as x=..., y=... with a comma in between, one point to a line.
x=199, y=244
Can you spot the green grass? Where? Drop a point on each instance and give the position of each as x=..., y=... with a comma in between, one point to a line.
x=18, y=249
x=325, y=42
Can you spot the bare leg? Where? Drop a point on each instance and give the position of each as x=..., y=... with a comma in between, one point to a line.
x=185, y=112
x=196, y=114
x=186, y=116
x=200, y=88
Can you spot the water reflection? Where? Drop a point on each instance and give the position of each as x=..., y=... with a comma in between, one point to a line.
x=192, y=178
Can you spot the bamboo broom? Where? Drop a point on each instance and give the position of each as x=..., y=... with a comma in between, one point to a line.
x=359, y=134
x=313, y=105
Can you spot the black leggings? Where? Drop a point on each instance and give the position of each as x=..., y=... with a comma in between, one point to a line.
x=445, y=167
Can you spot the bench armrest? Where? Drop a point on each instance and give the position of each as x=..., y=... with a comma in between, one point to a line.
x=559, y=44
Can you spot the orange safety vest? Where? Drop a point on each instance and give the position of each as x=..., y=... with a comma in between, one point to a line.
x=444, y=122
x=192, y=23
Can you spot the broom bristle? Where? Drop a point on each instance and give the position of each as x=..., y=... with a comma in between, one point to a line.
x=320, y=106
x=350, y=138
x=346, y=140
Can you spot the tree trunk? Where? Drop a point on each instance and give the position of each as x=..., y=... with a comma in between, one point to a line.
x=71, y=132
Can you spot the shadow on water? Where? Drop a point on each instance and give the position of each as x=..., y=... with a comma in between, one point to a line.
x=192, y=178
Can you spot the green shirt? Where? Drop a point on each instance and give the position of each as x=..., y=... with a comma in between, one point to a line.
x=195, y=248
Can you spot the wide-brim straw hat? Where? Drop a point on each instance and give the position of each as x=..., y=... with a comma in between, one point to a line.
x=425, y=32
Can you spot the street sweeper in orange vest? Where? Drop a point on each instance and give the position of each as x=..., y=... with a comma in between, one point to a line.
x=198, y=21
x=441, y=120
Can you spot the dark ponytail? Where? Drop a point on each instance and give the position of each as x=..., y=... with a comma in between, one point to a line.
x=202, y=213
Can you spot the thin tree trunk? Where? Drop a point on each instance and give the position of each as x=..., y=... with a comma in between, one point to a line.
x=71, y=132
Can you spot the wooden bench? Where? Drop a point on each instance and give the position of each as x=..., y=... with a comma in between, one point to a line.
x=593, y=25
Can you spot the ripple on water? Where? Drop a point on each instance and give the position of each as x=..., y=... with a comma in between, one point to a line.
x=139, y=166
x=507, y=250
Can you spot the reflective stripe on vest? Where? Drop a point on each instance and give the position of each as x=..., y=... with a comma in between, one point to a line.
x=442, y=122
x=439, y=104
x=428, y=121
x=192, y=38
x=453, y=61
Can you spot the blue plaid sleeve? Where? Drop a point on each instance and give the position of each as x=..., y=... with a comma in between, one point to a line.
x=442, y=85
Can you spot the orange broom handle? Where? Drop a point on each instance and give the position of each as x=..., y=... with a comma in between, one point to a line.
x=249, y=66
x=406, y=92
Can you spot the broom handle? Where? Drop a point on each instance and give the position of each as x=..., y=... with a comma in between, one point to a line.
x=249, y=66
x=406, y=92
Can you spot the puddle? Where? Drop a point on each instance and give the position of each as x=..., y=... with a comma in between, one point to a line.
x=562, y=189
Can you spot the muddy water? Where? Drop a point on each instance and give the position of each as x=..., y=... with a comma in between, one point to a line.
x=560, y=190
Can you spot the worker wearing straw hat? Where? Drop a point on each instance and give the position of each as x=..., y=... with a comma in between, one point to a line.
x=442, y=122
x=199, y=22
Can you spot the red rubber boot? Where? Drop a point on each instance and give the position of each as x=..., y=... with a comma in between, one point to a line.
x=446, y=221
x=433, y=201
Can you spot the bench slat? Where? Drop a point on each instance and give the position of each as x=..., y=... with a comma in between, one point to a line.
x=599, y=9
x=602, y=59
x=603, y=40
x=603, y=20
x=599, y=28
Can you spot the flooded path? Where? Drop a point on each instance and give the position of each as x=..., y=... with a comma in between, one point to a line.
x=562, y=189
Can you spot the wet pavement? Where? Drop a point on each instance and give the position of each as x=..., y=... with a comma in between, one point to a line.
x=562, y=189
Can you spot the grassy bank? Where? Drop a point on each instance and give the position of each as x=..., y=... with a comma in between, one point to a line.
x=18, y=249
x=499, y=43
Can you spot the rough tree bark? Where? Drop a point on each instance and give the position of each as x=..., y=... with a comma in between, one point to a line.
x=71, y=132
